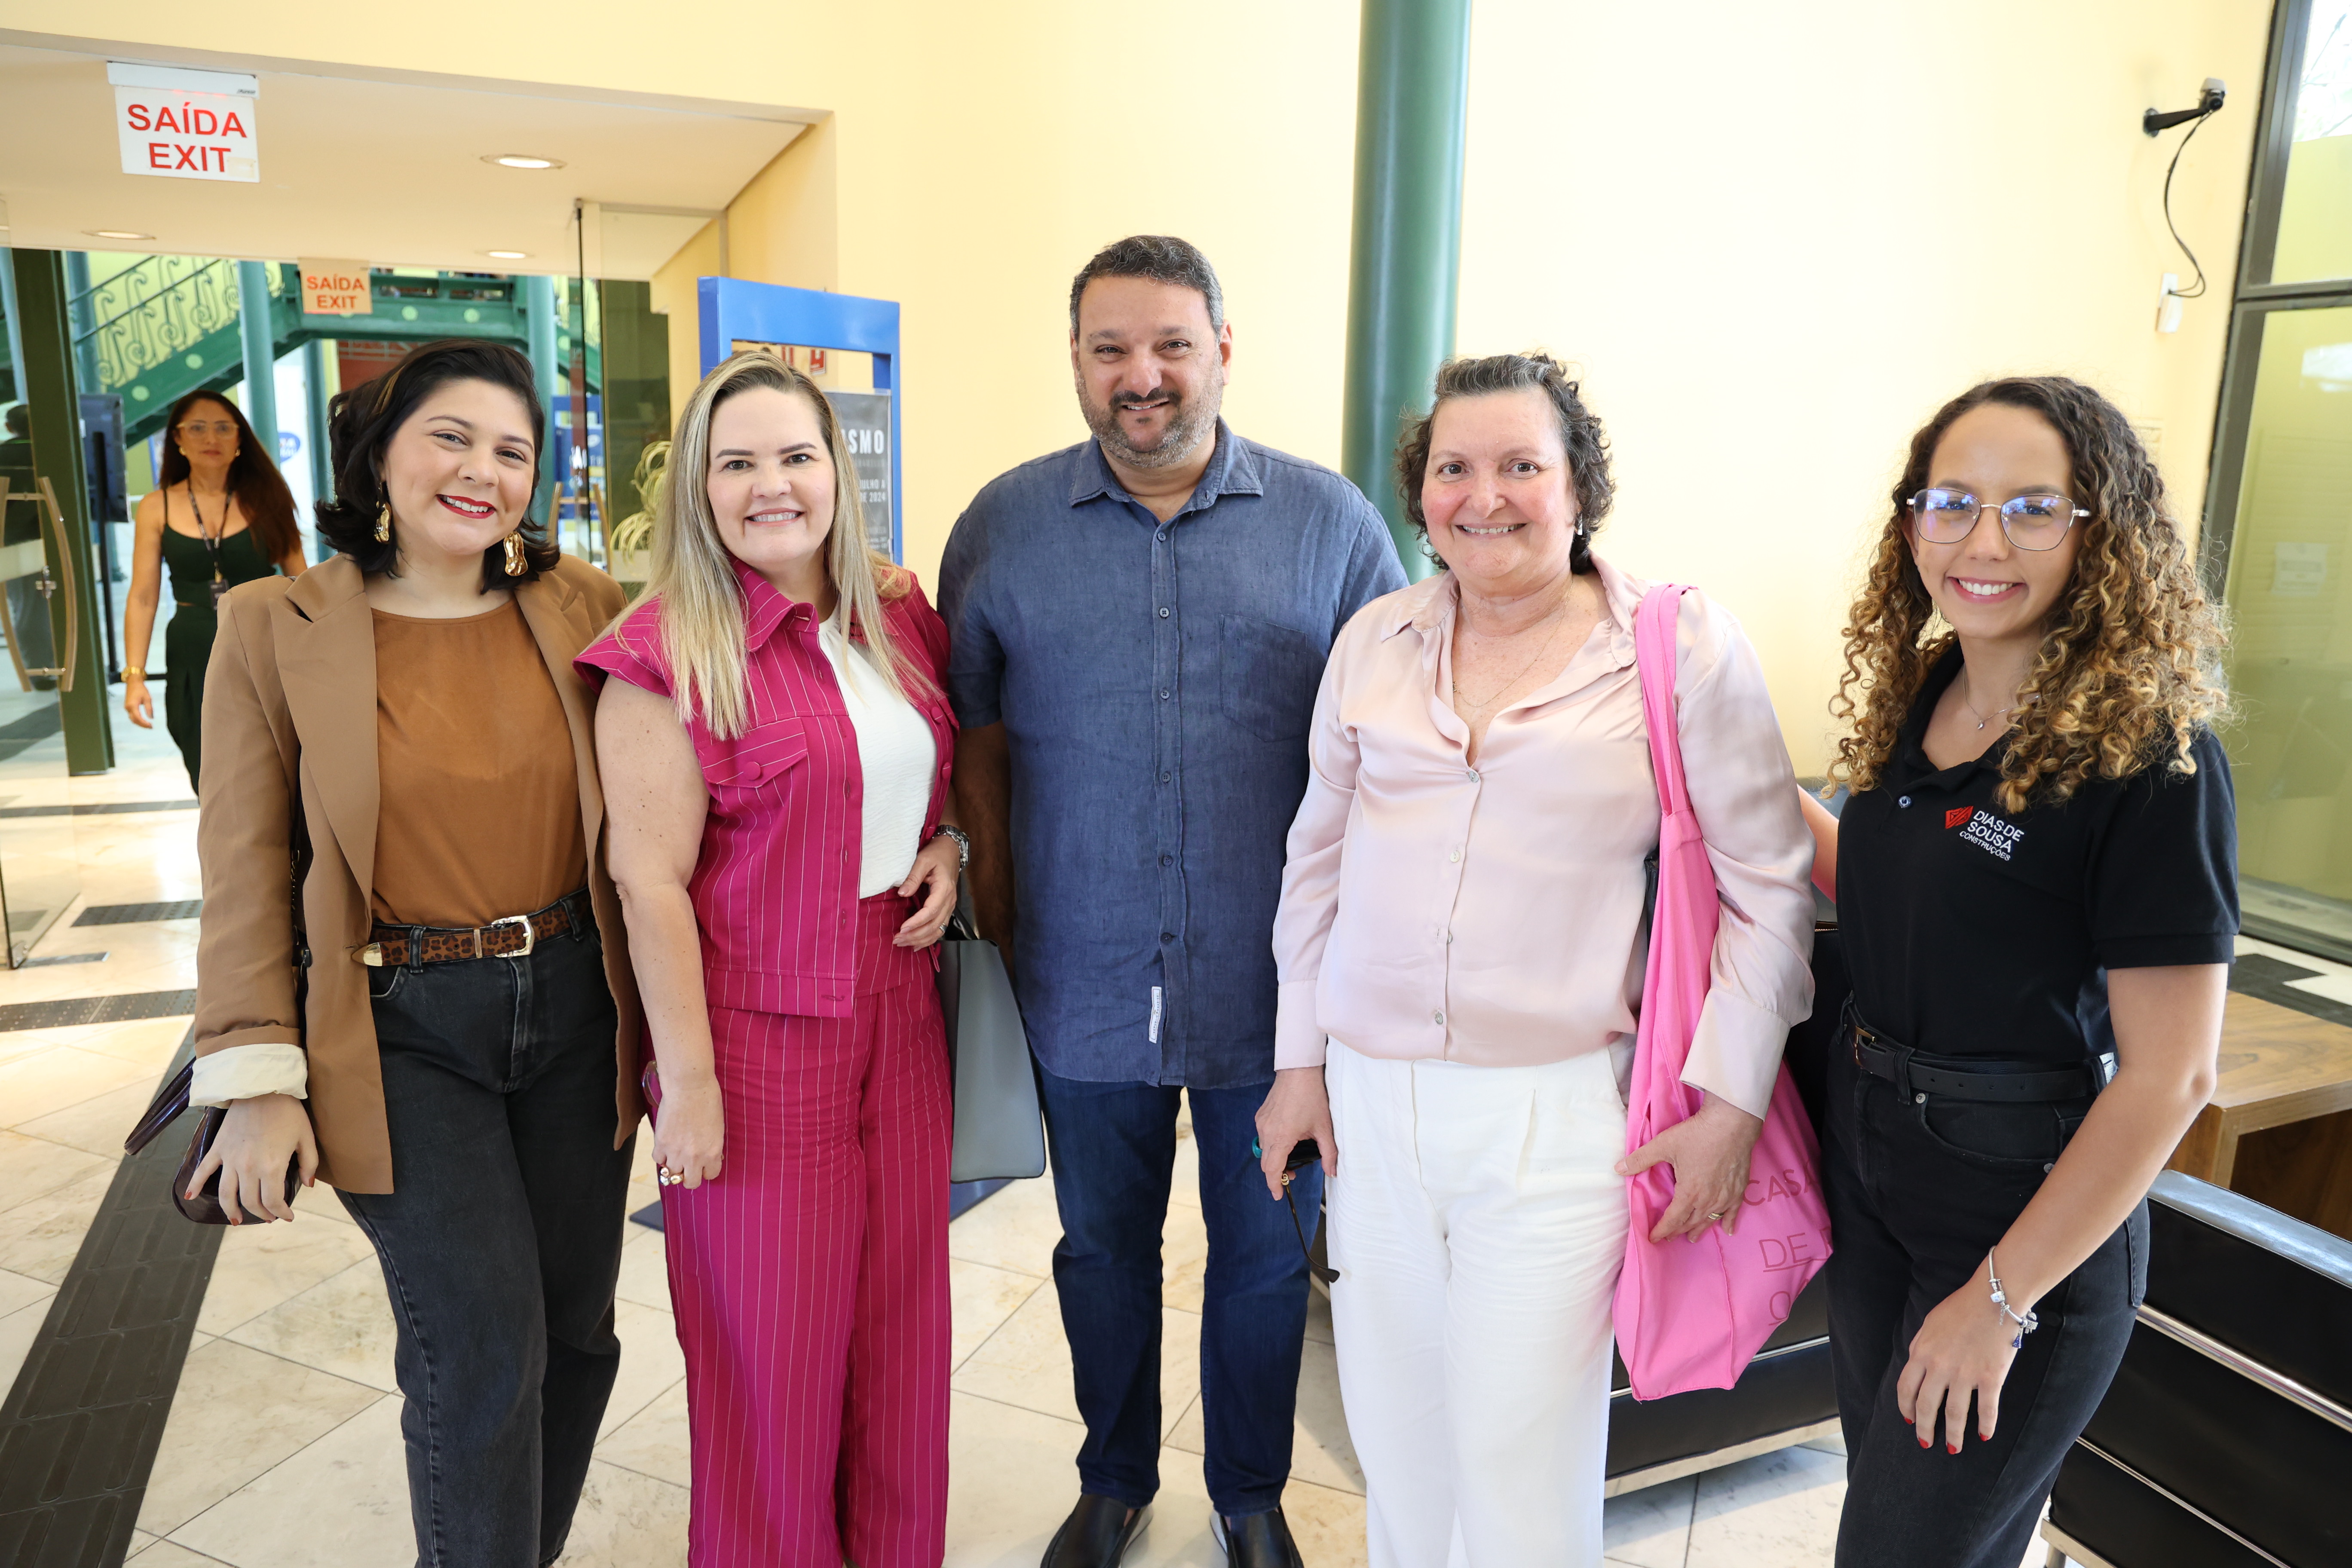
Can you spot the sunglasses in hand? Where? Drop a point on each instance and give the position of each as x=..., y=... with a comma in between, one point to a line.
x=1303, y=1153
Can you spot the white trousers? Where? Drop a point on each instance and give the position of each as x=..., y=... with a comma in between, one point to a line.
x=1478, y=1226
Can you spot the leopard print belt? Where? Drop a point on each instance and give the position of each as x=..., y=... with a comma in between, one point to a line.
x=510, y=936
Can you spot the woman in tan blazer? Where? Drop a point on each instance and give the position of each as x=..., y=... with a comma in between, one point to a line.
x=468, y=1044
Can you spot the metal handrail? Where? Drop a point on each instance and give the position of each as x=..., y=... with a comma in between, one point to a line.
x=156, y=298
x=2180, y=1502
x=2246, y=1366
x=113, y=278
x=64, y=672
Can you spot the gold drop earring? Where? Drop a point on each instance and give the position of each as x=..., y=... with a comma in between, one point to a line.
x=383, y=522
x=515, y=561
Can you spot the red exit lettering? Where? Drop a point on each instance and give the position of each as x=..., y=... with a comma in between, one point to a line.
x=188, y=119
x=176, y=155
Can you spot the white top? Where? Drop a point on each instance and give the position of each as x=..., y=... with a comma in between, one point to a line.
x=896, y=755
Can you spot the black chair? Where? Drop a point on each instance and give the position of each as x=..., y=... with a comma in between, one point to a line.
x=2226, y=1439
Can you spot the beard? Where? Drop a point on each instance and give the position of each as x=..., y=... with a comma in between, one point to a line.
x=1190, y=420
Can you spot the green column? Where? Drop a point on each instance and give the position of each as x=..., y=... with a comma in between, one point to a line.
x=1413, y=89
x=538, y=320
x=314, y=387
x=45, y=381
x=253, y=326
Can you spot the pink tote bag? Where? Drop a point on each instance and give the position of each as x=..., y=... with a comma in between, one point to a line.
x=1692, y=1314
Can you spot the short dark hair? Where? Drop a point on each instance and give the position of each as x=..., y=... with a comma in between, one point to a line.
x=1580, y=434
x=363, y=420
x=1161, y=258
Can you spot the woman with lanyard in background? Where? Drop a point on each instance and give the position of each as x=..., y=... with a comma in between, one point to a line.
x=2037, y=868
x=220, y=515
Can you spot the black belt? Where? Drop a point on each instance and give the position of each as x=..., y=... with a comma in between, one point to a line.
x=1915, y=1073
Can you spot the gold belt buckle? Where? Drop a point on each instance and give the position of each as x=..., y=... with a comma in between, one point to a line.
x=529, y=933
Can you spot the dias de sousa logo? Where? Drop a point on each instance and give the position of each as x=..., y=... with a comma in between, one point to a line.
x=1986, y=831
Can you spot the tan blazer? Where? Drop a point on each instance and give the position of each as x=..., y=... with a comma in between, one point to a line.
x=290, y=705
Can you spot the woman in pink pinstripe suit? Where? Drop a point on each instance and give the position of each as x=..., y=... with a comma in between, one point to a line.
x=776, y=754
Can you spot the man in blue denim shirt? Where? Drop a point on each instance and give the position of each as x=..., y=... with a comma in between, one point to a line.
x=1139, y=626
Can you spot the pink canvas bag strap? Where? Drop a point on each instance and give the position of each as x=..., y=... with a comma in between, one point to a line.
x=1654, y=625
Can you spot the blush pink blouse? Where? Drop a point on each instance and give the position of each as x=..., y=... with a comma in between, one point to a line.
x=1492, y=914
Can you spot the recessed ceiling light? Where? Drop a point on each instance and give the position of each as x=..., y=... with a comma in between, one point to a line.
x=521, y=161
x=508, y=255
x=116, y=233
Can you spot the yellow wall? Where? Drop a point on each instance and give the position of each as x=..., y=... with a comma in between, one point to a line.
x=1776, y=238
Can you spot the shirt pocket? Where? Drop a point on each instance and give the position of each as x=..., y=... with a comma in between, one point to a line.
x=762, y=758
x=1267, y=675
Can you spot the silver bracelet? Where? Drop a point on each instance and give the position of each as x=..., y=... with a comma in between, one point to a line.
x=963, y=843
x=2026, y=1323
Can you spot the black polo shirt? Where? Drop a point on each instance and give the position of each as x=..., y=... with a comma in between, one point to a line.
x=1970, y=931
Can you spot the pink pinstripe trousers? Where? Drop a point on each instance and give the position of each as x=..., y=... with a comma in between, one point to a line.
x=811, y=1279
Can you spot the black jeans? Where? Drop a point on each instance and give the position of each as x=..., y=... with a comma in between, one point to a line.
x=501, y=1242
x=1919, y=1189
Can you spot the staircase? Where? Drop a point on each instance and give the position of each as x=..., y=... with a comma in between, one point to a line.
x=168, y=325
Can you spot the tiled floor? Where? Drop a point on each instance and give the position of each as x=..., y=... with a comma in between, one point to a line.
x=283, y=1449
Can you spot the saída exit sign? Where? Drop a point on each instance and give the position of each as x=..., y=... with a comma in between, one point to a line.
x=185, y=124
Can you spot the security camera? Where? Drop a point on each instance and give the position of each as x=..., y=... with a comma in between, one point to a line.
x=2208, y=100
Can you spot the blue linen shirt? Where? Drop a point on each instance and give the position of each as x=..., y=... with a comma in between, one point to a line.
x=1155, y=682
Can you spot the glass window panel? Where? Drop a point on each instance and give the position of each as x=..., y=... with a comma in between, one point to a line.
x=2314, y=233
x=2291, y=654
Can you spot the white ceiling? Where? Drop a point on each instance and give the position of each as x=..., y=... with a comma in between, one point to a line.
x=386, y=169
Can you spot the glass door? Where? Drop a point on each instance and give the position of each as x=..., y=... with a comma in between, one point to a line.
x=39, y=874
x=2290, y=660
x=2278, y=514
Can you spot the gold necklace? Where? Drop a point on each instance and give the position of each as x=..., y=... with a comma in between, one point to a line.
x=1482, y=707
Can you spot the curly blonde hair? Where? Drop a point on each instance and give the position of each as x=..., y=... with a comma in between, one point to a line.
x=2130, y=665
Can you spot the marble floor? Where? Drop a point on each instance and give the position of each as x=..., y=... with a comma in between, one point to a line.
x=283, y=1449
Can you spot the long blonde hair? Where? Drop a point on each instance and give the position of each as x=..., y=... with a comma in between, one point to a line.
x=693, y=574
x=2128, y=669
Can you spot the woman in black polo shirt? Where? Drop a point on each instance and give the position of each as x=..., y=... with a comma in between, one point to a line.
x=2036, y=878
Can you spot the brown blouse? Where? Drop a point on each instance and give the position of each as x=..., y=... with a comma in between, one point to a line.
x=480, y=814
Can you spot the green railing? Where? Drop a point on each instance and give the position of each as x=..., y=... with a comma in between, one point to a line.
x=157, y=310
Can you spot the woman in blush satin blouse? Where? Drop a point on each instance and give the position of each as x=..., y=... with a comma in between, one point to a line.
x=776, y=748
x=1461, y=949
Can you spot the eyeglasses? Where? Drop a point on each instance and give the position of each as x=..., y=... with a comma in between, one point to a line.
x=200, y=428
x=2031, y=522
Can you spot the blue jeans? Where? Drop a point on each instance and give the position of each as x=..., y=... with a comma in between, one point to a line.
x=1114, y=1151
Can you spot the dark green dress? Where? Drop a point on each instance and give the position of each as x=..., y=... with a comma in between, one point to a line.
x=188, y=637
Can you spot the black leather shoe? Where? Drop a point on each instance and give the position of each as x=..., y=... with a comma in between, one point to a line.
x=1256, y=1541
x=1096, y=1534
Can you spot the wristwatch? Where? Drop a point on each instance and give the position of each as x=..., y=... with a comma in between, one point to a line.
x=135, y=672
x=963, y=843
